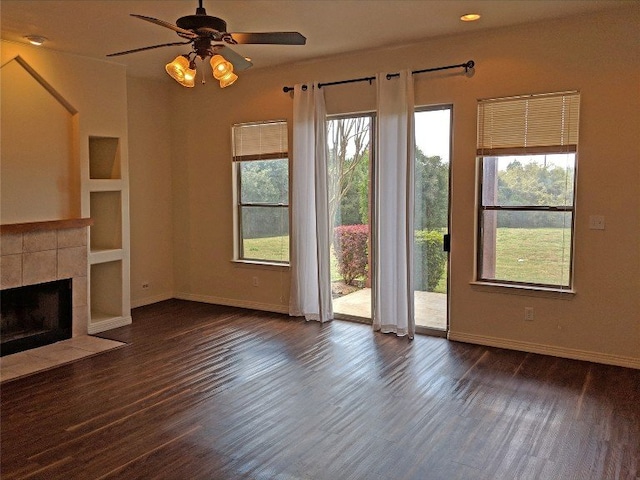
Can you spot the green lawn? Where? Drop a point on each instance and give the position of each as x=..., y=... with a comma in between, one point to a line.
x=536, y=255
x=274, y=249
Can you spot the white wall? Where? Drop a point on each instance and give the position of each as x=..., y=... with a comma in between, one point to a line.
x=150, y=190
x=590, y=53
x=42, y=162
x=39, y=179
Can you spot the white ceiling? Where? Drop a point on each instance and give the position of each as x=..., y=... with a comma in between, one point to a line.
x=94, y=28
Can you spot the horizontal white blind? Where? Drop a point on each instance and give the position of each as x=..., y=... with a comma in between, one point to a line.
x=260, y=141
x=543, y=123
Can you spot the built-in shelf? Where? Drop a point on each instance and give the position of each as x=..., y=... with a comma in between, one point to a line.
x=106, y=291
x=105, y=255
x=106, y=211
x=105, y=185
x=106, y=200
x=104, y=158
x=98, y=318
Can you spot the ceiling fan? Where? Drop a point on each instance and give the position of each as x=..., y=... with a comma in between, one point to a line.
x=208, y=37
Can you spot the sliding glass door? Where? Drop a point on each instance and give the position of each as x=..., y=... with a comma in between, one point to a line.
x=349, y=150
x=431, y=221
x=350, y=156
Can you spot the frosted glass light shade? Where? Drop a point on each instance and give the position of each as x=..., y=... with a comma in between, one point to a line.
x=181, y=72
x=228, y=79
x=223, y=71
x=220, y=66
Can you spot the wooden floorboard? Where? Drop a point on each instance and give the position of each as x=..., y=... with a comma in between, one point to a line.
x=211, y=392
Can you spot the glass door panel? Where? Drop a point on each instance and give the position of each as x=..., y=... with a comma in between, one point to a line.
x=349, y=163
x=431, y=221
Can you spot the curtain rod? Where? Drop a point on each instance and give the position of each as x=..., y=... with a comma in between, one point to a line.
x=467, y=66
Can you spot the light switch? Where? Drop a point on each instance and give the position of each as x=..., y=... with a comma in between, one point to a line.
x=596, y=222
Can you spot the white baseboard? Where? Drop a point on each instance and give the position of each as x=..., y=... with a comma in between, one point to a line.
x=108, y=324
x=597, y=357
x=141, y=302
x=231, y=302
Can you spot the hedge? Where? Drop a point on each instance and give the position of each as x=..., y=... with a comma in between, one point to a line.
x=429, y=259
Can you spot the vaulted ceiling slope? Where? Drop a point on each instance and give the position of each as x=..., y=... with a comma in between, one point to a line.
x=94, y=28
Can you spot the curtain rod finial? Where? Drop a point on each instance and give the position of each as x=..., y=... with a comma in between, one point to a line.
x=469, y=69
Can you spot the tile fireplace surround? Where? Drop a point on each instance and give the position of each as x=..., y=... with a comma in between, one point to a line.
x=39, y=252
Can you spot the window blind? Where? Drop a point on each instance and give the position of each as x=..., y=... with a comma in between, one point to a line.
x=260, y=141
x=545, y=123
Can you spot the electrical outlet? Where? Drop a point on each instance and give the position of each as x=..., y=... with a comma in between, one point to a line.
x=528, y=314
x=255, y=282
x=145, y=285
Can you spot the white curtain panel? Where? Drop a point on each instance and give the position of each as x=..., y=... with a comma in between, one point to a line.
x=393, y=310
x=310, y=277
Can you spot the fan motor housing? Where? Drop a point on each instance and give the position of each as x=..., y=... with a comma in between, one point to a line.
x=194, y=22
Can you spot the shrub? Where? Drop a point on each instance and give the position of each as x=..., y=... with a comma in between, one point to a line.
x=350, y=247
x=429, y=259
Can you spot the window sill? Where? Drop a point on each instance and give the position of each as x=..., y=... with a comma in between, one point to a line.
x=526, y=290
x=260, y=263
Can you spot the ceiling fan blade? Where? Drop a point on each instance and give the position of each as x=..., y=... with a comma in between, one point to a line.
x=238, y=61
x=274, y=38
x=162, y=23
x=147, y=48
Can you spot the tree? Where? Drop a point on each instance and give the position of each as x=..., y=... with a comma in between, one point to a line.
x=534, y=184
x=431, y=192
x=264, y=181
x=348, y=164
x=354, y=205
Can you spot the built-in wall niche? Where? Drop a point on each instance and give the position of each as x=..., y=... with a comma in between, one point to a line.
x=105, y=200
x=106, y=213
x=104, y=158
x=106, y=291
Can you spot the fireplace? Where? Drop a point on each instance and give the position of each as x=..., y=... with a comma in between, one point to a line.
x=40, y=254
x=35, y=315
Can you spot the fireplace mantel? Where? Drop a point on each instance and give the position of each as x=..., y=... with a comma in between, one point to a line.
x=13, y=228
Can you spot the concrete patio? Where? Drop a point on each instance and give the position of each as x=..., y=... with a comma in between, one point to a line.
x=430, y=307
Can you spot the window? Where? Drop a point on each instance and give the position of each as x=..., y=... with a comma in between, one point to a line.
x=527, y=161
x=261, y=193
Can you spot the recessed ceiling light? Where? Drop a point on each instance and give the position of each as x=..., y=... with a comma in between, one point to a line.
x=470, y=17
x=36, y=39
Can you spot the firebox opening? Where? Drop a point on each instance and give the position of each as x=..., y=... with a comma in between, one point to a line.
x=35, y=315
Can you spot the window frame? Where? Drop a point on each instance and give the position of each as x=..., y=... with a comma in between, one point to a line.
x=521, y=208
x=524, y=150
x=238, y=243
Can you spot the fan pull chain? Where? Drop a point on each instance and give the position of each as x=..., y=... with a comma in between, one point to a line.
x=203, y=77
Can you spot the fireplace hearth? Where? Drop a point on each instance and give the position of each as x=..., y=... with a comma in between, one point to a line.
x=35, y=315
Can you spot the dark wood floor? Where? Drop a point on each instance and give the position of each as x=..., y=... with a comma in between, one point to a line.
x=209, y=392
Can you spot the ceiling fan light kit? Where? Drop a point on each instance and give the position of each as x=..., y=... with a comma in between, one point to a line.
x=182, y=71
x=208, y=37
